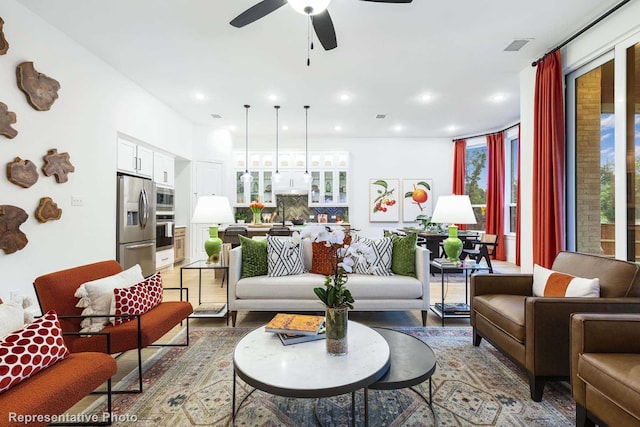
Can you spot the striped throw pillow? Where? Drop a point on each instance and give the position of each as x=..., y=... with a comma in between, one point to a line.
x=549, y=283
x=284, y=257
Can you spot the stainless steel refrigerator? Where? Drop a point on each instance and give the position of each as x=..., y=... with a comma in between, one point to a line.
x=136, y=229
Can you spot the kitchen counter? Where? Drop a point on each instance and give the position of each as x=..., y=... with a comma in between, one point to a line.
x=263, y=228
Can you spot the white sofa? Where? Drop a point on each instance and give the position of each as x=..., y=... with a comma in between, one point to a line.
x=295, y=293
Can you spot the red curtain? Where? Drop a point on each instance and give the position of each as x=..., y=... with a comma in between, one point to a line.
x=518, y=207
x=495, y=191
x=459, y=161
x=548, y=161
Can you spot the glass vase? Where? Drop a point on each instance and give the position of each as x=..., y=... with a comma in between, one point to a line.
x=256, y=217
x=336, y=320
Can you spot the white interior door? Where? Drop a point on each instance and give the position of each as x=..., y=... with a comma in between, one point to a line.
x=208, y=181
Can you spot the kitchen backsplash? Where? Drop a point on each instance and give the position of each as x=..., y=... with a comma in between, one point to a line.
x=297, y=206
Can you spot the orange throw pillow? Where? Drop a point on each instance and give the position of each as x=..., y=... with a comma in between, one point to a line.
x=322, y=261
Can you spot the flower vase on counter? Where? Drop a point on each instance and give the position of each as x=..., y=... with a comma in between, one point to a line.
x=256, y=208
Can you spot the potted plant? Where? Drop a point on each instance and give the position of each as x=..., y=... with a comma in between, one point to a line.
x=241, y=217
x=335, y=296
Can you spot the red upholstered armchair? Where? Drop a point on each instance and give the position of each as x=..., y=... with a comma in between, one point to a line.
x=55, y=291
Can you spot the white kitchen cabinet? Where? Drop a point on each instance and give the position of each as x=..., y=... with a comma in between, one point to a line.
x=260, y=188
x=134, y=158
x=165, y=258
x=163, y=169
x=329, y=187
x=292, y=182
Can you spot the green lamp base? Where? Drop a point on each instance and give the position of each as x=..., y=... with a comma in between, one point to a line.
x=453, y=245
x=213, y=245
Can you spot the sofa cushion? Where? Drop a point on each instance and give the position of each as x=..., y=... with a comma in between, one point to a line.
x=504, y=311
x=31, y=349
x=380, y=262
x=96, y=296
x=300, y=287
x=615, y=375
x=284, y=257
x=137, y=299
x=254, y=257
x=549, y=283
x=403, y=257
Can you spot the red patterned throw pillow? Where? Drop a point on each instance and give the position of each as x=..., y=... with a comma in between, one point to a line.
x=137, y=299
x=323, y=261
x=30, y=350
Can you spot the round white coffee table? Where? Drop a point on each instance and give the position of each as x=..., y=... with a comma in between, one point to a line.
x=306, y=370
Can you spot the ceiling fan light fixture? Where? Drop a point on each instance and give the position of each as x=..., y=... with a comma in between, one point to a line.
x=309, y=7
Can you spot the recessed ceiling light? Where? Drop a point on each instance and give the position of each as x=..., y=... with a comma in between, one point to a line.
x=499, y=97
x=231, y=128
x=273, y=97
x=338, y=128
x=344, y=97
x=452, y=128
x=199, y=96
x=285, y=127
x=426, y=97
x=398, y=128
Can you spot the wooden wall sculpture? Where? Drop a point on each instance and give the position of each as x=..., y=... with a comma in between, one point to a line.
x=41, y=90
x=22, y=172
x=11, y=238
x=4, y=44
x=7, y=118
x=47, y=210
x=57, y=164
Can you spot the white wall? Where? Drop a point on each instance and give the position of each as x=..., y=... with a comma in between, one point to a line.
x=587, y=47
x=95, y=102
x=409, y=158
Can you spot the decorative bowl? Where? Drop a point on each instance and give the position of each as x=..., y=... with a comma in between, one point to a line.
x=297, y=221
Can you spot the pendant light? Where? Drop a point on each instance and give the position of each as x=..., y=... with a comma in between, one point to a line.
x=277, y=177
x=246, y=176
x=307, y=176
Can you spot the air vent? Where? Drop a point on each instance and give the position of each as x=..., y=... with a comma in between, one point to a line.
x=216, y=116
x=381, y=116
x=516, y=45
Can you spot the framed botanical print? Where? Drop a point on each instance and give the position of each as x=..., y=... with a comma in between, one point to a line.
x=384, y=203
x=417, y=198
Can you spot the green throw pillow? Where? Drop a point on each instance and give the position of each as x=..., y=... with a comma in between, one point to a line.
x=403, y=258
x=254, y=257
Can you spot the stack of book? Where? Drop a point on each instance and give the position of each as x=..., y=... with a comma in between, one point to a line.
x=296, y=328
x=452, y=308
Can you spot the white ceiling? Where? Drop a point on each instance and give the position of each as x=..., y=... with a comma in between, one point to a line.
x=388, y=55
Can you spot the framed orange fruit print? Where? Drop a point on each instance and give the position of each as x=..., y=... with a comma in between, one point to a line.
x=416, y=198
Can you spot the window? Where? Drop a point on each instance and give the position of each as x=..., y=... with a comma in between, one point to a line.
x=475, y=180
x=511, y=193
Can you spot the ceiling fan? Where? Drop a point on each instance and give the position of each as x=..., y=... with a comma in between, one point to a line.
x=315, y=9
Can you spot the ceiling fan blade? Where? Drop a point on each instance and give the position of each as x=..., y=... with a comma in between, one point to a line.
x=323, y=25
x=390, y=1
x=256, y=12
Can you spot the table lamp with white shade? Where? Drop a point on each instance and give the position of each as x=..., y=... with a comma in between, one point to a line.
x=213, y=210
x=453, y=210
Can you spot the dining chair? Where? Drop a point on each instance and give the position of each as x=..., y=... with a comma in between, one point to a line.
x=279, y=231
x=484, y=248
x=231, y=235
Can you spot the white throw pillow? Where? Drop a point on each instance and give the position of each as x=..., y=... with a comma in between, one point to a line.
x=284, y=257
x=96, y=296
x=549, y=283
x=380, y=263
x=11, y=318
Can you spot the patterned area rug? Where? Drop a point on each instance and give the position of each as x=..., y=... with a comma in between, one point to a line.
x=472, y=386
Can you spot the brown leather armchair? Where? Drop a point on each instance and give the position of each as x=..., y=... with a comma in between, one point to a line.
x=534, y=331
x=605, y=368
